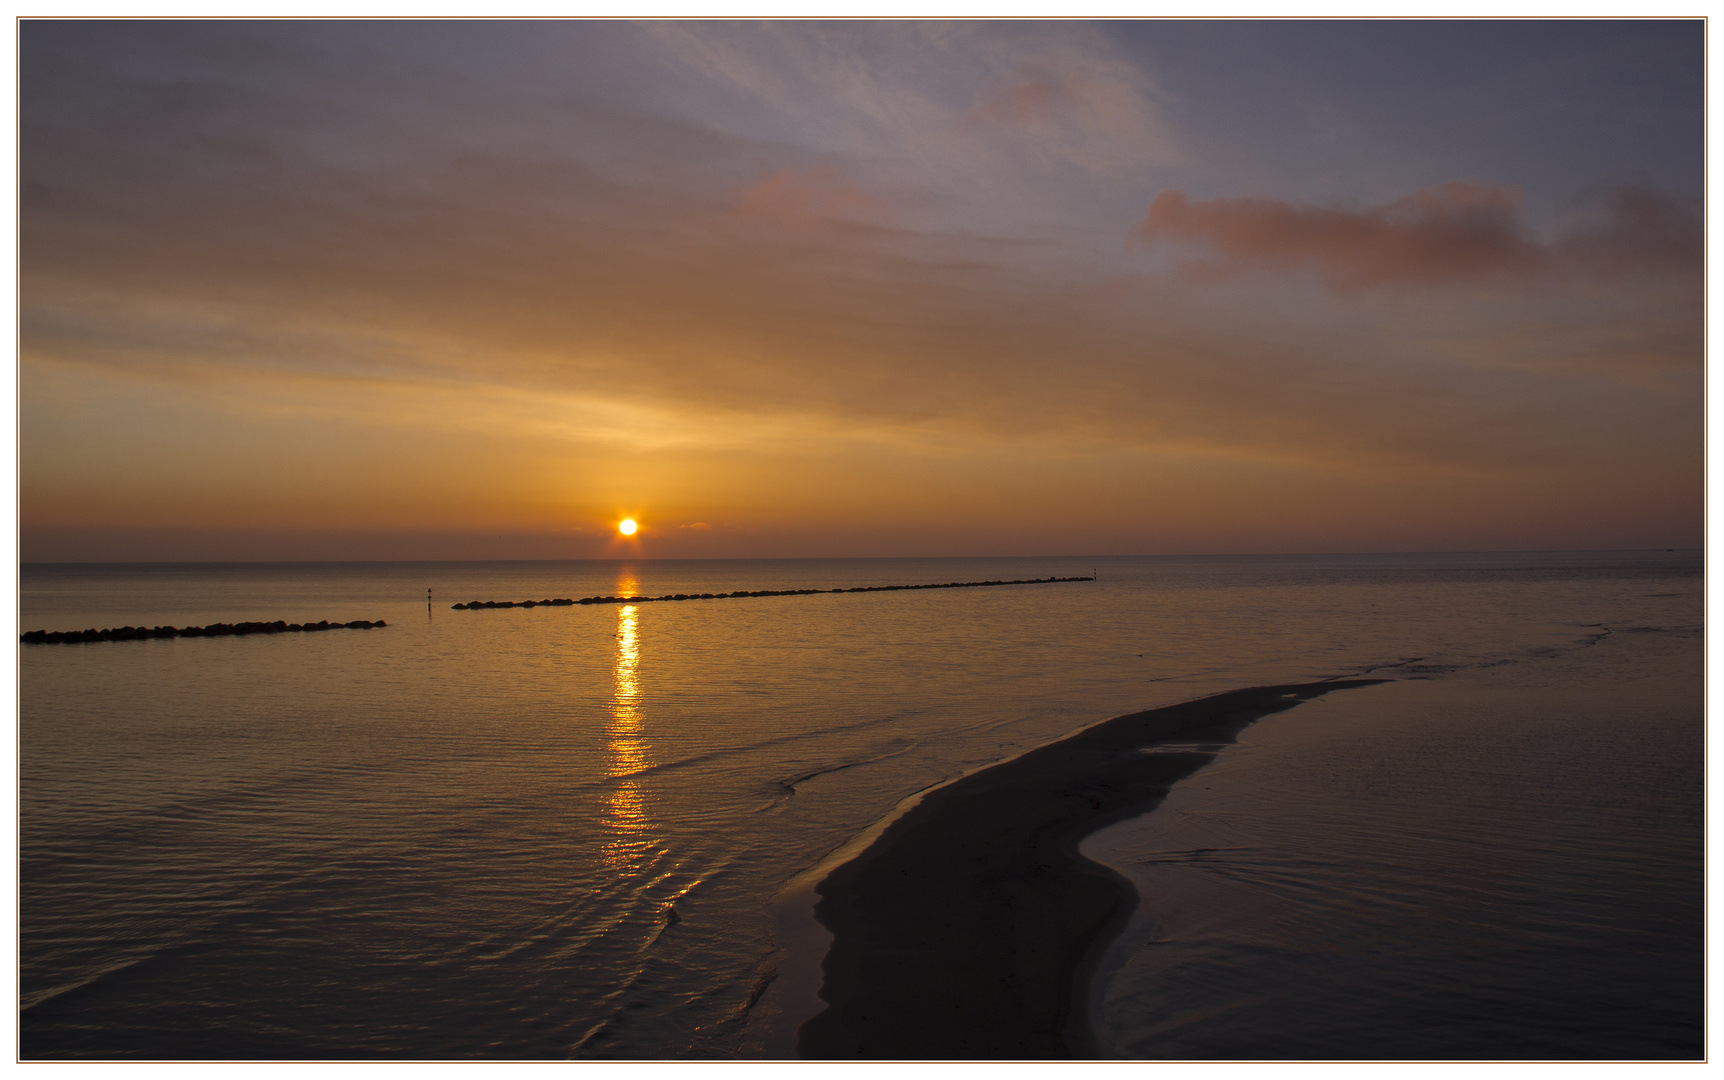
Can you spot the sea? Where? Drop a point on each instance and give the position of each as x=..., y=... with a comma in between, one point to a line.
x=587, y=832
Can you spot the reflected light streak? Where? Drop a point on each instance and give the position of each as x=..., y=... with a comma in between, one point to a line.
x=625, y=810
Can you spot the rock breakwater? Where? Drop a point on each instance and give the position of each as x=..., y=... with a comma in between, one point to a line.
x=139, y=633
x=476, y=605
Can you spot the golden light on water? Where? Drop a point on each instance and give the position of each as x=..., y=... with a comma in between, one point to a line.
x=627, y=526
x=625, y=808
x=628, y=752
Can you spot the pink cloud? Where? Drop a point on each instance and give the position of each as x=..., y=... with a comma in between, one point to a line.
x=1443, y=233
x=807, y=196
x=1450, y=232
x=1031, y=99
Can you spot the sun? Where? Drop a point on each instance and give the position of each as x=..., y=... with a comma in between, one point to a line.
x=627, y=526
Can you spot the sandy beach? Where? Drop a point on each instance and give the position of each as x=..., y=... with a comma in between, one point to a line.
x=969, y=928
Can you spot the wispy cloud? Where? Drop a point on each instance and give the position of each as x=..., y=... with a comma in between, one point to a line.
x=1084, y=107
x=972, y=117
x=808, y=196
x=1034, y=98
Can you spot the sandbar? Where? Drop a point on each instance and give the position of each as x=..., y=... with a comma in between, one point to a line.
x=969, y=929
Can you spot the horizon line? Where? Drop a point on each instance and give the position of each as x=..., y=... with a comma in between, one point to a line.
x=873, y=558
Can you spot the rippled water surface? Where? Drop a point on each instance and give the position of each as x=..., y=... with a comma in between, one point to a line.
x=558, y=832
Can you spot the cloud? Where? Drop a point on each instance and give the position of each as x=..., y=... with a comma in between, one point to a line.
x=1033, y=98
x=818, y=193
x=585, y=299
x=1444, y=233
x=989, y=112
x=1640, y=230
x=1451, y=232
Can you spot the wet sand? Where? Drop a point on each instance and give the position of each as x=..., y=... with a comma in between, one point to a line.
x=970, y=928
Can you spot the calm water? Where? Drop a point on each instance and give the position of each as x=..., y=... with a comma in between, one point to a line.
x=560, y=832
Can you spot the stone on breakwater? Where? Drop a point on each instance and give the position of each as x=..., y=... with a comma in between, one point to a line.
x=475, y=605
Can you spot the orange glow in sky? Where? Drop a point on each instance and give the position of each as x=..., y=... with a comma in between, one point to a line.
x=1001, y=289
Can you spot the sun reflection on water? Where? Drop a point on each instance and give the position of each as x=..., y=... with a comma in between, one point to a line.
x=625, y=809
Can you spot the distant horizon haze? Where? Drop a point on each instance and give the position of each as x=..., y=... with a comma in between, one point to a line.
x=179, y=548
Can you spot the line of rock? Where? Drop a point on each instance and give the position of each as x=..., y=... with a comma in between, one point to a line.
x=476, y=605
x=138, y=633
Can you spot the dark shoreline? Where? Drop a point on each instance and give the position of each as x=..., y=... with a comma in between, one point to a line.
x=969, y=929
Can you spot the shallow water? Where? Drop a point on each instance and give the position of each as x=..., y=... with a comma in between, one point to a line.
x=558, y=832
x=1496, y=868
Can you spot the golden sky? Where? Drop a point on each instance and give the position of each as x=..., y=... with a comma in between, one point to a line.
x=480, y=290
